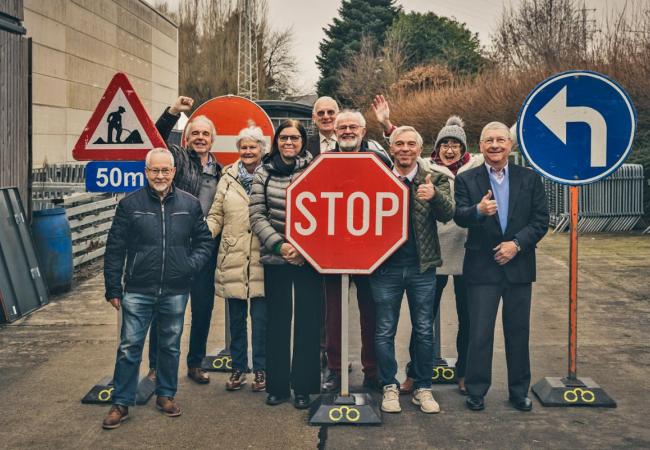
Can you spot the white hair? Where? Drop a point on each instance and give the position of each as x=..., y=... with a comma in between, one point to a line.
x=157, y=151
x=404, y=129
x=322, y=99
x=188, y=127
x=348, y=113
x=496, y=126
x=254, y=134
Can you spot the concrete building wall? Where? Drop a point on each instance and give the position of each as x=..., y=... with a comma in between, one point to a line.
x=78, y=45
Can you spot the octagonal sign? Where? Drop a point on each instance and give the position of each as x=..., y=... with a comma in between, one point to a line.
x=347, y=213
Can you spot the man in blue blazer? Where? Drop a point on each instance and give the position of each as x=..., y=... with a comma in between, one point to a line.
x=504, y=207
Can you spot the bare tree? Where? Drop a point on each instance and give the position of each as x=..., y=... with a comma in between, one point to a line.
x=208, y=45
x=542, y=32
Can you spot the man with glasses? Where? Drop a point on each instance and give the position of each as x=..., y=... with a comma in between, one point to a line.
x=350, y=129
x=504, y=207
x=323, y=114
x=161, y=233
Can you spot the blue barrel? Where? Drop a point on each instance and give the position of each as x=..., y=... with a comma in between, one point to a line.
x=53, y=242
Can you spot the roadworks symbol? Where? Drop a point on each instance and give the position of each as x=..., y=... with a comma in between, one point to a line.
x=350, y=414
x=446, y=373
x=105, y=394
x=584, y=395
x=223, y=362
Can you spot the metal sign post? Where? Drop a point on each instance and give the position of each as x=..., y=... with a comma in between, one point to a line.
x=346, y=213
x=221, y=361
x=444, y=369
x=575, y=156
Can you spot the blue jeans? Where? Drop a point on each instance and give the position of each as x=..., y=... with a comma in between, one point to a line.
x=137, y=312
x=201, y=304
x=238, y=311
x=388, y=286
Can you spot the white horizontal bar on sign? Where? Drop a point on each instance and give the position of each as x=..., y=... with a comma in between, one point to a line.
x=227, y=144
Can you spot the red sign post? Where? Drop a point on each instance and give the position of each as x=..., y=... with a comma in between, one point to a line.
x=346, y=213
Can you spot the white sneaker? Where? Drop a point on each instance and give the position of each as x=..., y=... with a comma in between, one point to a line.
x=390, y=402
x=424, y=399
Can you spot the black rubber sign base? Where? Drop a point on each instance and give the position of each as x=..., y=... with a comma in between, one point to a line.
x=222, y=362
x=355, y=409
x=444, y=371
x=556, y=391
x=102, y=392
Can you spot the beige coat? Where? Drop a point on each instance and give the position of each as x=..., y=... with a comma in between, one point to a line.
x=452, y=237
x=239, y=272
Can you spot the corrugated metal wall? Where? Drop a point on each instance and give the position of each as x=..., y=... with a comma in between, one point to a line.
x=15, y=104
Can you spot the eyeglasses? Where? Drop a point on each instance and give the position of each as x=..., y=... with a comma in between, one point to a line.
x=499, y=140
x=450, y=146
x=329, y=112
x=289, y=137
x=165, y=172
x=352, y=128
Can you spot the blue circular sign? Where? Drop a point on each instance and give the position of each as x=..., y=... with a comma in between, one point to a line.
x=576, y=127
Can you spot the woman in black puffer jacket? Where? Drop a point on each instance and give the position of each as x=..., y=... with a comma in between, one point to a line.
x=285, y=269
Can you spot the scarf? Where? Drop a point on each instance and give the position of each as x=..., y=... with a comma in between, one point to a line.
x=245, y=178
x=282, y=167
x=453, y=167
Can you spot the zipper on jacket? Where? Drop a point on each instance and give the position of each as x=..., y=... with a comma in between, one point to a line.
x=162, y=272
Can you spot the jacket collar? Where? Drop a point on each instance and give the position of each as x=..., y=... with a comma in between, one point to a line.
x=154, y=195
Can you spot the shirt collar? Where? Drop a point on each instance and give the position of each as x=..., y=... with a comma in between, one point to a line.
x=325, y=139
x=410, y=175
x=491, y=169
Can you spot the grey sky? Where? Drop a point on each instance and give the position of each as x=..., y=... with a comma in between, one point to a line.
x=309, y=17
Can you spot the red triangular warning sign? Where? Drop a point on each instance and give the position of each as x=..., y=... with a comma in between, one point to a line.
x=119, y=128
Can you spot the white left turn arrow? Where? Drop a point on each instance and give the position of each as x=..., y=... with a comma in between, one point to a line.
x=556, y=114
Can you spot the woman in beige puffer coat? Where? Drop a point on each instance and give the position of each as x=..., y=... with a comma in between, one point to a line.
x=240, y=275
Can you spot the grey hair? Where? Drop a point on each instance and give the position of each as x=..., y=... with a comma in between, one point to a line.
x=324, y=98
x=254, y=134
x=403, y=129
x=350, y=113
x=188, y=127
x=156, y=151
x=496, y=126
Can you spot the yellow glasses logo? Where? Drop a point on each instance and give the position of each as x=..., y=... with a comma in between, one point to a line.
x=446, y=373
x=105, y=394
x=350, y=414
x=576, y=394
x=225, y=362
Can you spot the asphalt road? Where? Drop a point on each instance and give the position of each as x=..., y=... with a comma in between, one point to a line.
x=50, y=359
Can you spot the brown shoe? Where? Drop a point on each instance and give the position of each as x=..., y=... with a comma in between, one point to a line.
x=407, y=386
x=259, y=384
x=116, y=415
x=198, y=375
x=236, y=381
x=168, y=406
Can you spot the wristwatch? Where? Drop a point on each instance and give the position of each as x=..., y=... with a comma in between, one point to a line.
x=516, y=241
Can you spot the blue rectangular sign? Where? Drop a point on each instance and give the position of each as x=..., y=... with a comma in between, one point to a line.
x=115, y=176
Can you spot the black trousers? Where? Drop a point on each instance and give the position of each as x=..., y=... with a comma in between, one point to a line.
x=483, y=303
x=201, y=304
x=298, y=370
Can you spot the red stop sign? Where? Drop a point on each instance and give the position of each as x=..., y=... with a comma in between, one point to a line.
x=347, y=213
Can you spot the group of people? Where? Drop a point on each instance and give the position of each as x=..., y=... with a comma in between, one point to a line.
x=471, y=216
